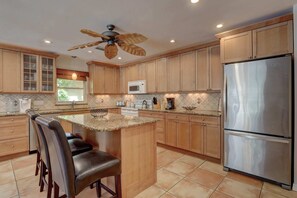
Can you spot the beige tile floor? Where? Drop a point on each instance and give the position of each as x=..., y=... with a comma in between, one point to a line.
x=179, y=176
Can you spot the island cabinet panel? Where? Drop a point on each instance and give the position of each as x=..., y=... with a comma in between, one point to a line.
x=215, y=68
x=188, y=71
x=202, y=81
x=196, y=137
x=1, y=71
x=151, y=76
x=173, y=74
x=237, y=47
x=14, y=135
x=161, y=75
x=11, y=75
x=160, y=126
x=273, y=40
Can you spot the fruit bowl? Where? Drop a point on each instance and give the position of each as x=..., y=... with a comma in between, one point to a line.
x=189, y=108
x=100, y=113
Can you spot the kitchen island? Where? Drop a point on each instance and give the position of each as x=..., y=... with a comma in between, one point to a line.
x=131, y=139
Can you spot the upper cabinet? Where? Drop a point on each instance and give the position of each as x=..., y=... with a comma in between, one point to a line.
x=30, y=73
x=188, y=71
x=202, y=81
x=1, y=70
x=48, y=74
x=11, y=75
x=161, y=75
x=215, y=68
x=173, y=74
x=104, y=79
x=267, y=41
x=151, y=76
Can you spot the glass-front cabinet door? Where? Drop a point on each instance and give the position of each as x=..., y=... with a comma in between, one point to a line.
x=47, y=74
x=30, y=73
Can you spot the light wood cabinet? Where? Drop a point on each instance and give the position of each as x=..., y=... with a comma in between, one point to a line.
x=161, y=75
x=11, y=71
x=236, y=48
x=173, y=74
x=160, y=125
x=171, y=132
x=116, y=111
x=30, y=73
x=123, y=81
x=48, y=74
x=105, y=79
x=202, y=81
x=151, y=77
x=1, y=71
x=212, y=146
x=263, y=42
x=215, y=68
x=183, y=135
x=14, y=135
x=273, y=40
x=196, y=137
x=188, y=71
x=132, y=73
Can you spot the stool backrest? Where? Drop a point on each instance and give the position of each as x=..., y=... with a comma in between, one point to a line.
x=61, y=160
x=33, y=115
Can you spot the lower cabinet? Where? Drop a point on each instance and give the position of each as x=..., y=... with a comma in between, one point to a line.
x=196, y=137
x=14, y=135
x=116, y=110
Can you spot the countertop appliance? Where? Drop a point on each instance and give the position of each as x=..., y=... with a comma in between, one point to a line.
x=258, y=118
x=138, y=104
x=25, y=104
x=170, y=103
x=137, y=87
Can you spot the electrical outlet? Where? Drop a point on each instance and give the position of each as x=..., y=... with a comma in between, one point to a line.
x=199, y=100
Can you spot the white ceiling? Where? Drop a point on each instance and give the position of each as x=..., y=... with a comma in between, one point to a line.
x=28, y=22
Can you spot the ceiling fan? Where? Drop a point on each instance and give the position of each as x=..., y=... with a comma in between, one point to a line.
x=124, y=41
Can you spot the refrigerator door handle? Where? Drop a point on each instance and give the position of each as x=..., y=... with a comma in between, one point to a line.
x=225, y=99
x=259, y=137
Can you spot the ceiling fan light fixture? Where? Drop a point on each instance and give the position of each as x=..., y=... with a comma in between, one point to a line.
x=194, y=1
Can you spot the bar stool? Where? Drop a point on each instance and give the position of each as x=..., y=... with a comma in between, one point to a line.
x=76, y=145
x=74, y=173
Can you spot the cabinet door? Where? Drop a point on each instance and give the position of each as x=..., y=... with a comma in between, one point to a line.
x=111, y=80
x=236, y=47
x=212, y=141
x=11, y=71
x=29, y=73
x=188, y=71
x=98, y=81
x=202, y=80
x=1, y=71
x=142, y=72
x=123, y=82
x=273, y=40
x=171, y=130
x=196, y=137
x=48, y=75
x=183, y=135
x=151, y=76
x=161, y=75
x=132, y=73
x=215, y=69
x=173, y=73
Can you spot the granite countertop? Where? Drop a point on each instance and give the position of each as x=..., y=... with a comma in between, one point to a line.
x=193, y=112
x=110, y=122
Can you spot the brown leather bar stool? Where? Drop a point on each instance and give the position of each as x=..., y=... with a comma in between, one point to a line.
x=74, y=173
x=76, y=145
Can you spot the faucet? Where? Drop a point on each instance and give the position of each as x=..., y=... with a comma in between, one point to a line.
x=72, y=104
x=144, y=103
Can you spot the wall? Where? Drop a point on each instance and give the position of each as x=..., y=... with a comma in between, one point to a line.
x=295, y=74
x=67, y=62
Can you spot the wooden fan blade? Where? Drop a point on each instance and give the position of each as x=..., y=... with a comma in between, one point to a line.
x=111, y=51
x=93, y=34
x=133, y=38
x=132, y=49
x=91, y=44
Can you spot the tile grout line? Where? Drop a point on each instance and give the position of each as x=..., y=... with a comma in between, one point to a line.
x=15, y=178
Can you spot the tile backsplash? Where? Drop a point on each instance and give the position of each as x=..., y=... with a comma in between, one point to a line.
x=203, y=101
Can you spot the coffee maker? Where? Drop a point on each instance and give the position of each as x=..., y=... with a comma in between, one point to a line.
x=170, y=104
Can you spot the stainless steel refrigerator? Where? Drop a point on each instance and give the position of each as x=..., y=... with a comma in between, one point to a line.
x=258, y=118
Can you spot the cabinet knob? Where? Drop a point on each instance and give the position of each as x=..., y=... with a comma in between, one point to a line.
x=12, y=146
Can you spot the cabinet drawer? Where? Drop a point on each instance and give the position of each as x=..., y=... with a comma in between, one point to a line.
x=151, y=114
x=205, y=119
x=10, y=132
x=178, y=117
x=8, y=147
x=160, y=124
x=114, y=111
x=13, y=120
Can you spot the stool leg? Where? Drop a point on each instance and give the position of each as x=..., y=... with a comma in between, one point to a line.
x=49, y=184
x=98, y=188
x=56, y=190
x=118, y=187
x=42, y=174
x=37, y=163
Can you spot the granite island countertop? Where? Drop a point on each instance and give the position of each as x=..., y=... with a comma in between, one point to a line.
x=110, y=122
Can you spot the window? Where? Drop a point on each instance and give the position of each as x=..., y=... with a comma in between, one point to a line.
x=71, y=90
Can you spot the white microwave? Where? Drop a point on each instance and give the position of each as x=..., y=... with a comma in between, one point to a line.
x=137, y=87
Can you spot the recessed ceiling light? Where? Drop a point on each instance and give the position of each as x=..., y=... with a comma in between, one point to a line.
x=194, y=1
x=120, y=58
x=172, y=41
x=219, y=25
x=47, y=41
x=90, y=51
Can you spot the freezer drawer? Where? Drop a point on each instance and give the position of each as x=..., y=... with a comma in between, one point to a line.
x=263, y=156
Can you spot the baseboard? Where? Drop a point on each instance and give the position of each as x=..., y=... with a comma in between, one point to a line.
x=294, y=187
